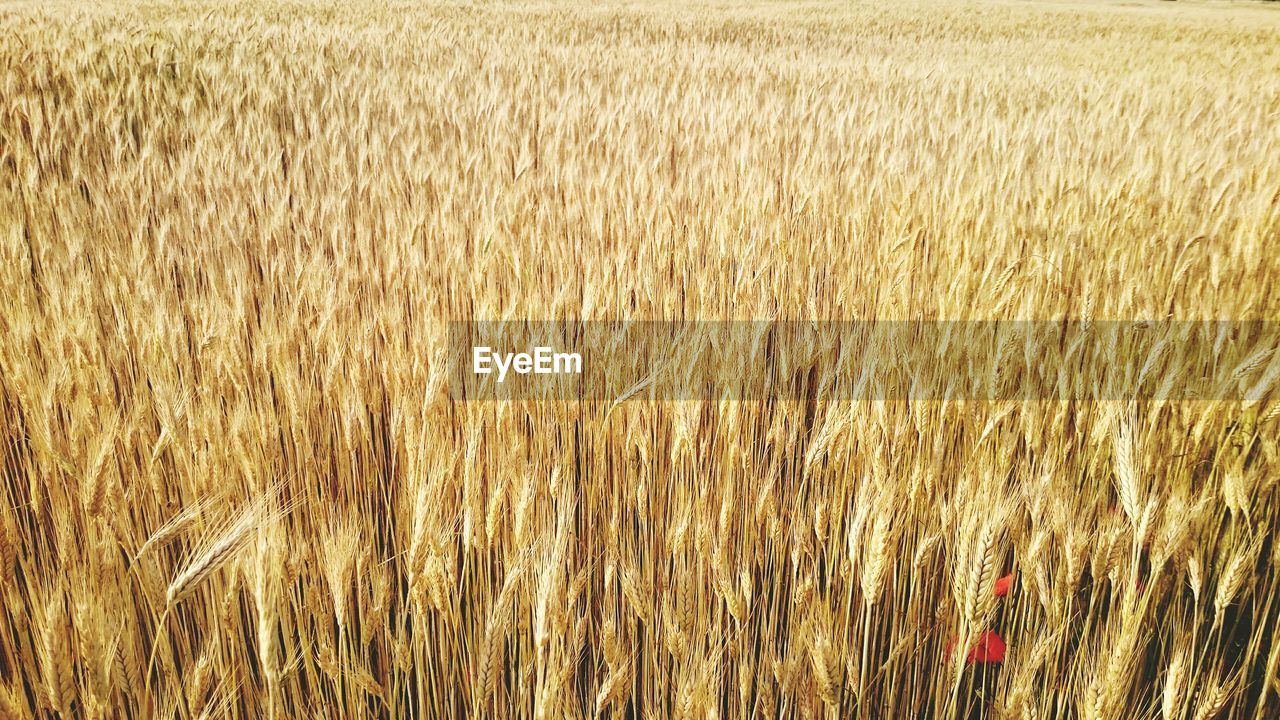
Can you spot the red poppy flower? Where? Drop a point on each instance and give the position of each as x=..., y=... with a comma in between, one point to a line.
x=1004, y=583
x=990, y=649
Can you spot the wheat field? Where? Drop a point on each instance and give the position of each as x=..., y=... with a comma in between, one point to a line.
x=234, y=481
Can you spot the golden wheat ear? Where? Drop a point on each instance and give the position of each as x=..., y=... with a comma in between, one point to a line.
x=205, y=561
x=170, y=529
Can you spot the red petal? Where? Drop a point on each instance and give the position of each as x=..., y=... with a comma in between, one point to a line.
x=1004, y=583
x=990, y=649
